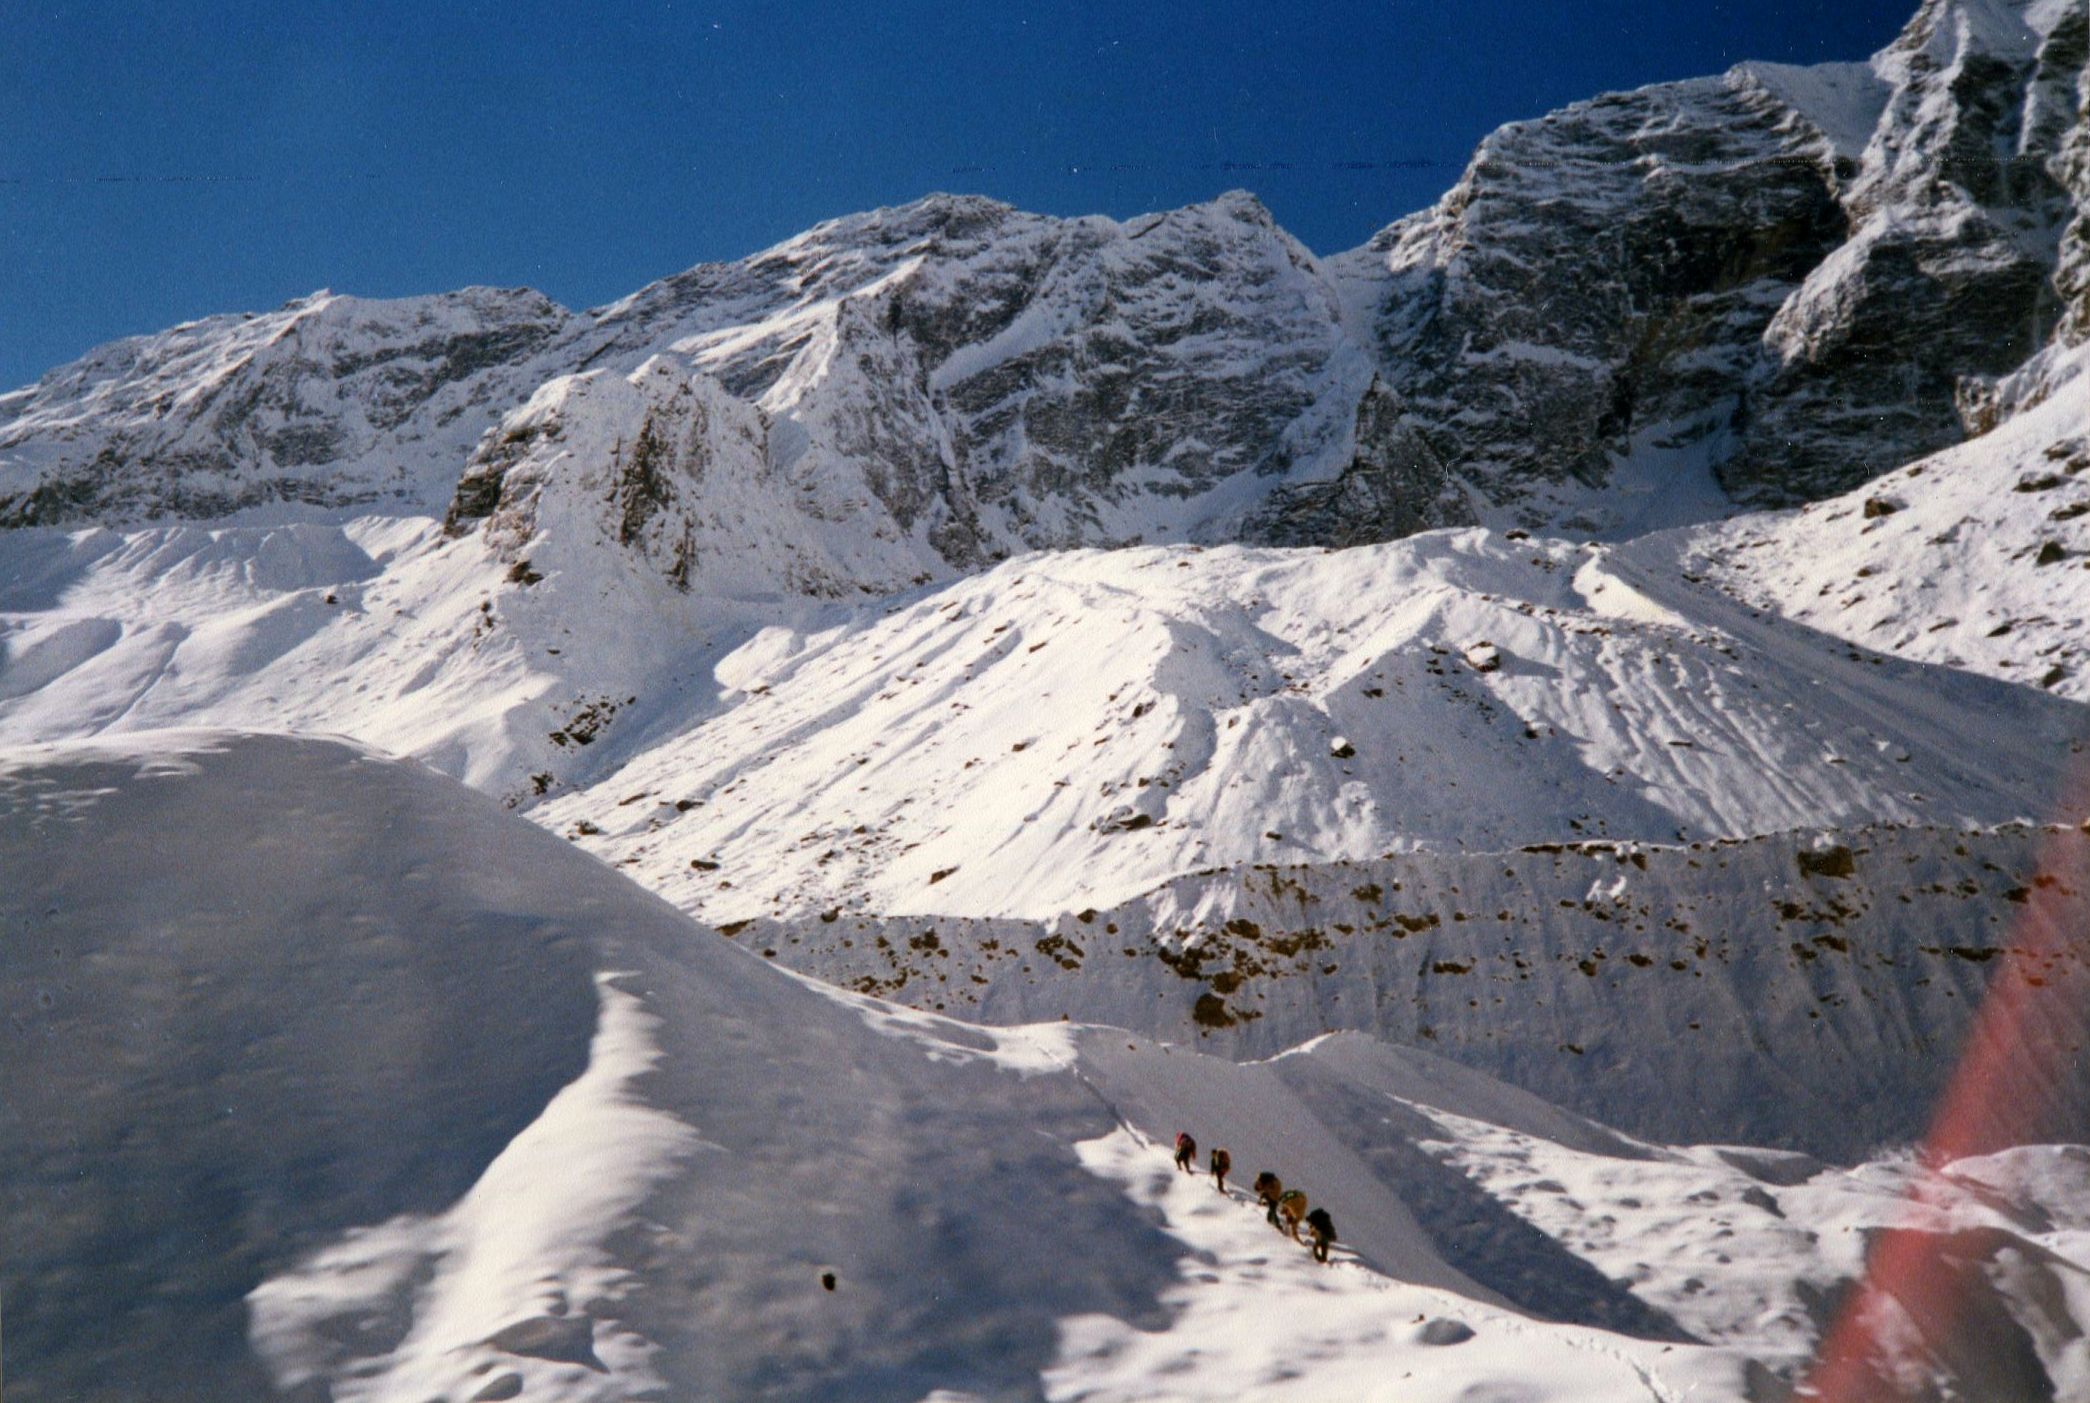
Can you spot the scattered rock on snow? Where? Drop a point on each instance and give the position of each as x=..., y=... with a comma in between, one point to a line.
x=567, y=1339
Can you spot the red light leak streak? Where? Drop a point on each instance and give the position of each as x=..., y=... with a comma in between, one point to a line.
x=2016, y=1083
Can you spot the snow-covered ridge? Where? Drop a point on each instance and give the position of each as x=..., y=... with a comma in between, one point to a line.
x=1068, y=731
x=365, y=1089
x=1783, y=280
x=327, y=401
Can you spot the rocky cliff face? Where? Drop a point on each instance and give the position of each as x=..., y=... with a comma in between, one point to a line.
x=1792, y=271
x=1006, y=382
x=668, y=469
x=1598, y=281
x=327, y=401
x=1947, y=275
x=1781, y=281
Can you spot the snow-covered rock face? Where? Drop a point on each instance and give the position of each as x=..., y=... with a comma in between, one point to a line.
x=1791, y=278
x=328, y=401
x=1596, y=284
x=1949, y=272
x=1007, y=382
x=1783, y=273
x=665, y=474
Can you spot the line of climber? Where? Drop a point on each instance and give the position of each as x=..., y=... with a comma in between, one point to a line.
x=1284, y=1209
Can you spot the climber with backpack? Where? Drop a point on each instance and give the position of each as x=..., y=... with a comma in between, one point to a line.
x=1221, y=1163
x=1268, y=1189
x=1291, y=1209
x=1186, y=1152
x=1323, y=1229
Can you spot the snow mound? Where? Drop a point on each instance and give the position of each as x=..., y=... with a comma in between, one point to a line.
x=1068, y=731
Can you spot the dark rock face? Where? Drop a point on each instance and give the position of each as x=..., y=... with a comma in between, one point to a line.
x=1798, y=268
x=1394, y=485
x=1599, y=276
x=2071, y=167
x=1948, y=273
x=1788, y=280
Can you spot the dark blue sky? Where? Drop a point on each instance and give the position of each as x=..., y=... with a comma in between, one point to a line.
x=164, y=161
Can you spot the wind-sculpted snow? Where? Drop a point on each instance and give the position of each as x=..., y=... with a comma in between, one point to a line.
x=1491, y=691
x=358, y=1088
x=253, y=1084
x=1068, y=731
x=381, y=628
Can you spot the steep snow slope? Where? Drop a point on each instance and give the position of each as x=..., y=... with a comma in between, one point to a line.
x=737, y=722
x=1814, y=990
x=1973, y=557
x=1067, y=731
x=359, y=1088
x=312, y=943
x=508, y=674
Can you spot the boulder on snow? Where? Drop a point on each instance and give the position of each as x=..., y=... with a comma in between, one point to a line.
x=1442, y=1330
x=1341, y=748
x=1834, y=860
x=563, y=1339
x=1483, y=656
x=1876, y=507
x=1124, y=819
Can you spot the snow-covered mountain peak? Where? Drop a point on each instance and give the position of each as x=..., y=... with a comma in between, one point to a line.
x=1843, y=101
x=1944, y=33
x=1765, y=286
x=326, y=400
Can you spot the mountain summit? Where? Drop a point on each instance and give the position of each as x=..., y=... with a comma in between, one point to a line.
x=1762, y=288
